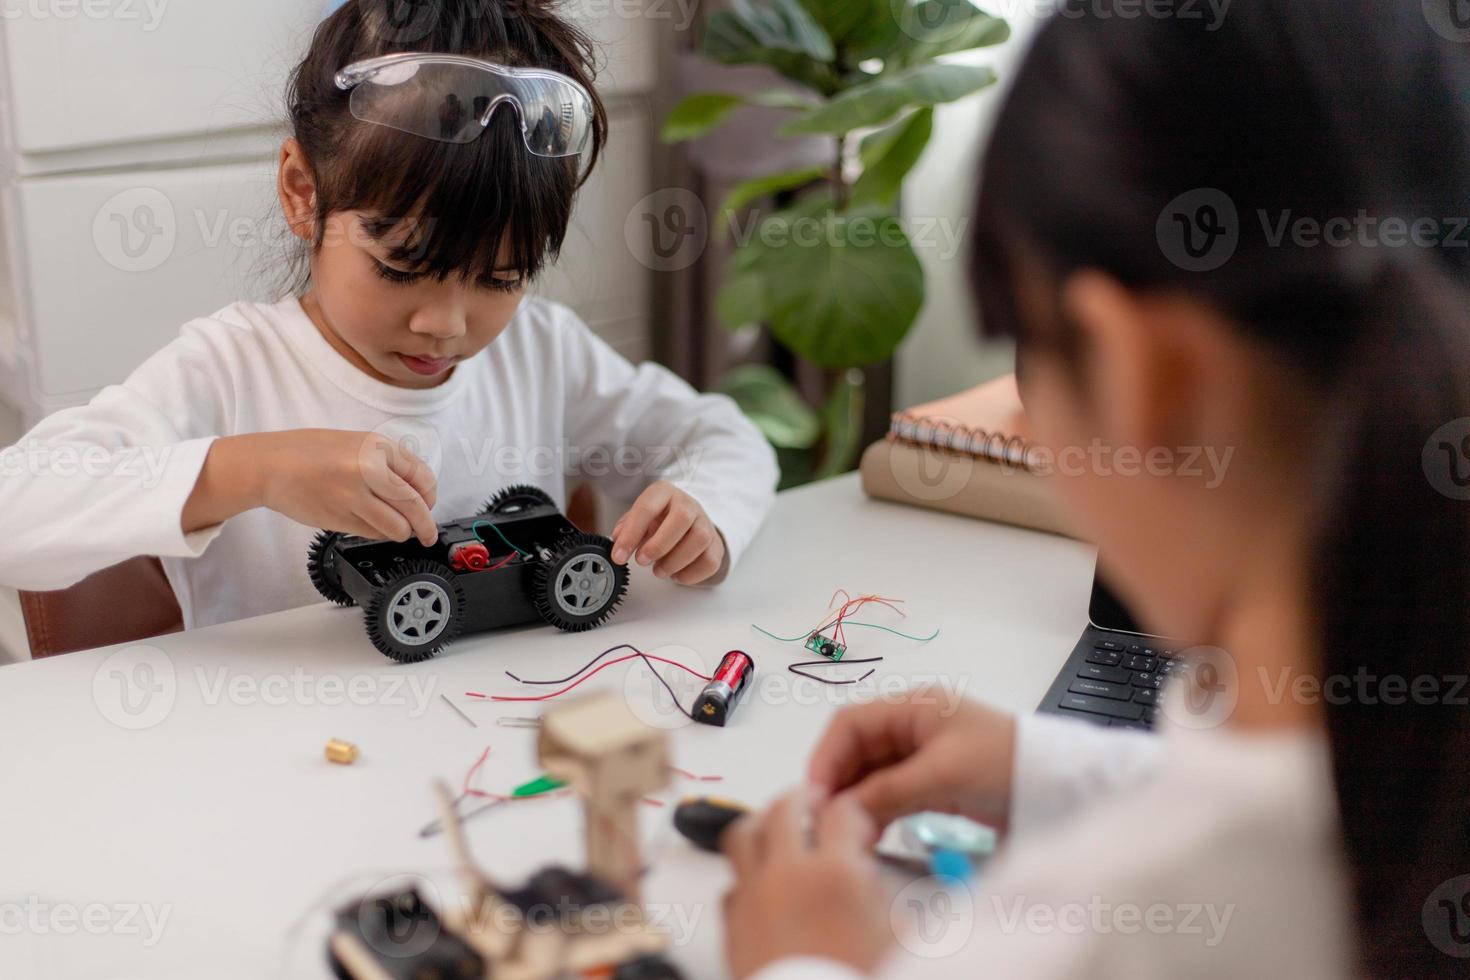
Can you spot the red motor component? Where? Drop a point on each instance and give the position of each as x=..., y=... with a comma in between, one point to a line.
x=469, y=556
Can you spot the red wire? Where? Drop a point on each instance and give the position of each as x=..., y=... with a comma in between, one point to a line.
x=850, y=607
x=593, y=673
x=691, y=776
x=469, y=777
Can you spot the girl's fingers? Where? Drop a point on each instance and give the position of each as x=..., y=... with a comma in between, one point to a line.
x=356, y=525
x=705, y=566
x=860, y=739
x=415, y=512
x=389, y=523
x=677, y=521
x=696, y=542
x=898, y=790
x=785, y=829
x=417, y=474
x=843, y=826
x=741, y=845
x=639, y=518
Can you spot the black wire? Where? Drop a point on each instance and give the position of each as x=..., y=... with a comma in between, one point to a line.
x=433, y=828
x=667, y=687
x=590, y=664
x=593, y=662
x=833, y=663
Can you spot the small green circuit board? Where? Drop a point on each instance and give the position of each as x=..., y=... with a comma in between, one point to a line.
x=825, y=646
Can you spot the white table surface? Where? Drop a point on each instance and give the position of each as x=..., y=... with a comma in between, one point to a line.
x=184, y=780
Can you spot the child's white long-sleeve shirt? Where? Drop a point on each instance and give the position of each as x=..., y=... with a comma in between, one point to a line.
x=107, y=481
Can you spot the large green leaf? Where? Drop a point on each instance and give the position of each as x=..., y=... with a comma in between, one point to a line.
x=925, y=30
x=770, y=401
x=839, y=289
x=701, y=112
x=779, y=33
x=784, y=24
x=937, y=27
x=878, y=101
x=888, y=155
x=741, y=301
x=854, y=24
x=698, y=114
x=759, y=187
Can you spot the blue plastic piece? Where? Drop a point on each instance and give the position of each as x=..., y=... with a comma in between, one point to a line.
x=952, y=865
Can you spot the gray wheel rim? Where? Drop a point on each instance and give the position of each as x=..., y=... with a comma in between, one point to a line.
x=418, y=613
x=584, y=584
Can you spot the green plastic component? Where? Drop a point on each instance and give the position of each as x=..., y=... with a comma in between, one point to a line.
x=825, y=646
x=542, y=784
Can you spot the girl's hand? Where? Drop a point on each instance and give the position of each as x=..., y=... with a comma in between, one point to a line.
x=667, y=526
x=900, y=758
x=804, y=889
x=358, y=482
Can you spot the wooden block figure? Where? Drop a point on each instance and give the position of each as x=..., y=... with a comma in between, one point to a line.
x=612, y=760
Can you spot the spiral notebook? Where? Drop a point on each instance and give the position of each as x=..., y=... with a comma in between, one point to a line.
x=985, y=422
x=998, y=476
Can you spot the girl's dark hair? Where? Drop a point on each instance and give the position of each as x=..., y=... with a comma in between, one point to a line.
x=1310, y=109
x=462, y=200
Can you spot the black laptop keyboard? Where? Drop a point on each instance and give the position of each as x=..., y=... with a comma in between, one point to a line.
x=1119, y=683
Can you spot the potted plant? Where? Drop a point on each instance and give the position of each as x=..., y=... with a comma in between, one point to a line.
x=833, y=275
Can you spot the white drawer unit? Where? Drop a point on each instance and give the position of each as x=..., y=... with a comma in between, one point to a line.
x=115, y=263
x=137, y=156
x=101, y=72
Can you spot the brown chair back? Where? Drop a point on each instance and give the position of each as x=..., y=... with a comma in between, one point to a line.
x=128, y=602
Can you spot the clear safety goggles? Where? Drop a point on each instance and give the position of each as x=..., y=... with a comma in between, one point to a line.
x=450, y=98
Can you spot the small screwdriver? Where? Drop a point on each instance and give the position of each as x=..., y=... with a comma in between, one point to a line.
x=704, y=820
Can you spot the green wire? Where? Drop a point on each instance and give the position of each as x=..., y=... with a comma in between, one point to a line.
x=871, y=626
x=475, y=528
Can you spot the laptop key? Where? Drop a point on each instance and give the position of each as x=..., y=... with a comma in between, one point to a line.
x=1146, y=695
x=1143, y=680
x=1101, y=689
x=1101, y=672
x=1102, y=706
x=1140, y=662
x=1106, y=658
x=1108, y=645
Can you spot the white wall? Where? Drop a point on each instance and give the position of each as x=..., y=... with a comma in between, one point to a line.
x=13, y=644
x=944, y=353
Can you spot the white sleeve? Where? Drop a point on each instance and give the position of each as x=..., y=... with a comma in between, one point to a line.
x=1063, y=765
x=95, y=485
x=654, y=426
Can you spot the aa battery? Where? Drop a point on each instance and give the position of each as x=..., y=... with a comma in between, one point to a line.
x=717, y=701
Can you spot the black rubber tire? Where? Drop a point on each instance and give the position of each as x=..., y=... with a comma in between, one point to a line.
x=514, y=499
x=550, y=577
x=380, y=608
x=321, y=566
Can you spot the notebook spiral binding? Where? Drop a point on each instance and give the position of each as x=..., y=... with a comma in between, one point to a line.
x=948, y=435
